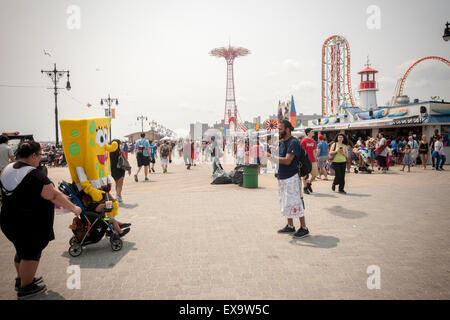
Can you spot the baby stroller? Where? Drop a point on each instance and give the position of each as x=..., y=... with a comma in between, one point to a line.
x=361, y=159
x=90, y=227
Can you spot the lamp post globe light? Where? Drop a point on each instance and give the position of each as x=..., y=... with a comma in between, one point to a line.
x=109, y=101
x=446, y=35
x=142, y=118
x=55, y=75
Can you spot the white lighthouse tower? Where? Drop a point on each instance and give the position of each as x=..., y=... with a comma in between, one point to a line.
x=368, y=88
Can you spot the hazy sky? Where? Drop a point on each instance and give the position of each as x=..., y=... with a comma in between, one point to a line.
x=153, y=56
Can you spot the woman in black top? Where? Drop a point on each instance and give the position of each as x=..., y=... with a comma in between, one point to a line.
x=118, y=174
x=423, y=151
x=27, y=214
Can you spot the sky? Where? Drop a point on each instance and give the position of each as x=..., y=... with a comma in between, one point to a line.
x=153, y=56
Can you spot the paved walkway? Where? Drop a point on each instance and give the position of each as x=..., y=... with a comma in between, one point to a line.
x=193, y=240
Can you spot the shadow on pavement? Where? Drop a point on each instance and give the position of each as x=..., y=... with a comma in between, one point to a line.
x=100, y=255
x=324, y=242
x=323, y=195
x=48, y=295
x=346, y=213
x=358, y=194
x=128, y=205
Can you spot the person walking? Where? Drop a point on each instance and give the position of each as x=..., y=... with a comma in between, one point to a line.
x=414, y=147
x=339, y=154
x=142, y=156
x=187, y=153
x=240, y=150
x=423, y=151
x=289, y=188
x=381, y=152
x=439, y=154
x=27, y=215
x=125, y=150
x=164, y=152
x=6, y=154
x=310, y=147
x=407, y=158
x=153, y=150
x=118, y=169
x=433, y=140
x=322, y=158
x=370, y=146
x=214, y=154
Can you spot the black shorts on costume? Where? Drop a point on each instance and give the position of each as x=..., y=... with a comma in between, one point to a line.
x=142, y=160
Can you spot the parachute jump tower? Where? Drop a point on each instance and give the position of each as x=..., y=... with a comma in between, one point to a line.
x=230, y=53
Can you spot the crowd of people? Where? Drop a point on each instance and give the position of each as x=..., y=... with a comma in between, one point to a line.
x=21, y=177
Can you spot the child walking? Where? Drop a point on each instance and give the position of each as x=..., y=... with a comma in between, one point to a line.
x=407, y=159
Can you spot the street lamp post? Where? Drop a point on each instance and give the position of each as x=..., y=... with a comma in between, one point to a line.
x=446, y=35
x=55, y=75
x=142, y=118
x=109, y=102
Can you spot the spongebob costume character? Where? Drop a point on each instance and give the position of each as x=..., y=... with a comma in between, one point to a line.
x=85, y=143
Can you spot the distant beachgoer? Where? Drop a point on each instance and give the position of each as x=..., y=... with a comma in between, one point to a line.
x=164, y=152
x=153, y=154
x=322, y=158
x=6, y=154
x=423, y=151
x=142, y=156
x=117, y=173
x=407, y=158
x=439, y=154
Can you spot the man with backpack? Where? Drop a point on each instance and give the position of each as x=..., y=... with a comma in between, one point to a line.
x=164, y=151
x=142, y=148
x=289, y=189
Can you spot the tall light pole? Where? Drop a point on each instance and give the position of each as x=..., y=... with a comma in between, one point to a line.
x=55, y=75
x=109, y=102
x=446, y=35
x=142, y=118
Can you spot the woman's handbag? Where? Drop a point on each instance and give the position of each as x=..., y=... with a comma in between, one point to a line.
x=122, y=163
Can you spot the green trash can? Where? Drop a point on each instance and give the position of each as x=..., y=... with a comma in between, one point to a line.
x=250, y=176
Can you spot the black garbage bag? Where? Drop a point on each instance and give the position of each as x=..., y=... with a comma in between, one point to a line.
x=238, y=176
x=221, y=177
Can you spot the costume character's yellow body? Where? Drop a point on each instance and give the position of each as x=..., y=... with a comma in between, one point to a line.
x=86, y=148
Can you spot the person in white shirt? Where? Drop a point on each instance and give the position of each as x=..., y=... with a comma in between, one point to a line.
x=6, y=154
x=439, y=153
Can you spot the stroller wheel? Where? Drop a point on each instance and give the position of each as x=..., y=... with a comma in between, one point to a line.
x=116, y=244
x=75, y=250
x=73, y=240
x=355, y=170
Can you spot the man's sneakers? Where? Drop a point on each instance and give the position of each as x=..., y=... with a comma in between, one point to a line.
x=135, y=178
x=30, y=290
x=124, y=225
x=308, y=189
x=301, y=233
x=333, y=187
x=153, y=170
x=287, y=229
x=147, y=179
x=35, y=280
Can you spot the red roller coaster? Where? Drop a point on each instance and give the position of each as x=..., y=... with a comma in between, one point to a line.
x=402, y=83
x=336, y=83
